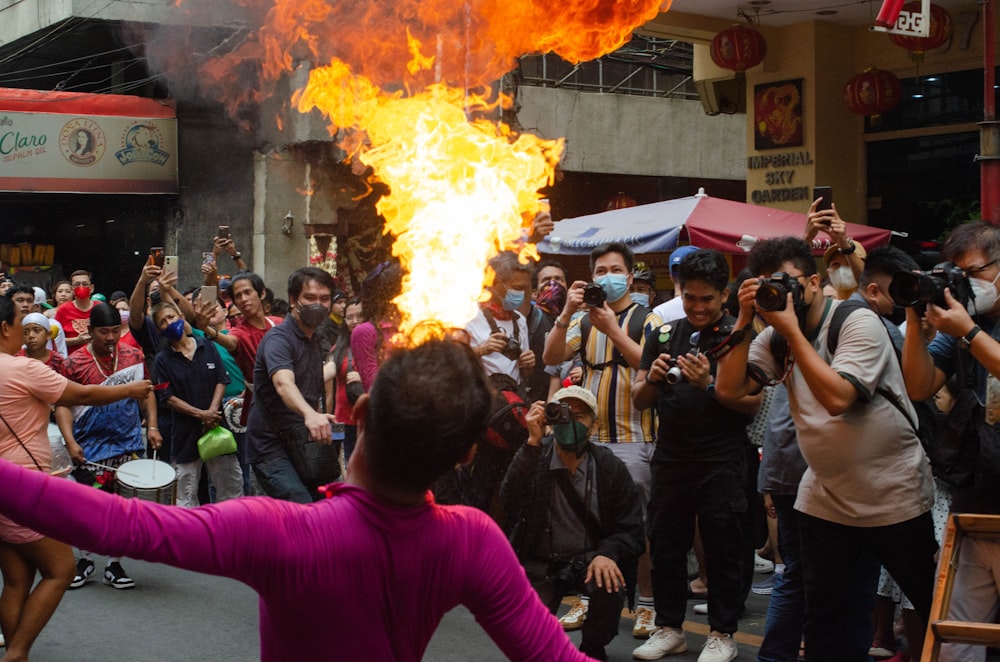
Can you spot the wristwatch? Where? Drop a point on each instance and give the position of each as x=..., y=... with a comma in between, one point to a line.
x=966, y=340
x=850, y=249
x=237, y=255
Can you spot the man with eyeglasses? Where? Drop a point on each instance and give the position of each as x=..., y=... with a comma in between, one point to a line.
x=966, y=347
x=866, y=497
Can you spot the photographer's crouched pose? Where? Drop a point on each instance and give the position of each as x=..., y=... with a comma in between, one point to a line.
x=574, y=514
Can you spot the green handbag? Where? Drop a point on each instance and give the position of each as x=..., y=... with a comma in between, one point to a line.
x=217, y=441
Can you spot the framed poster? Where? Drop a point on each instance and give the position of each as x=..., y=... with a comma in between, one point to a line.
x=777, y=114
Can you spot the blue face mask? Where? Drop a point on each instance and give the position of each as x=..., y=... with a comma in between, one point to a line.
x=174, y=331
x=639, y=298
x=513, y=299
x=614, y=285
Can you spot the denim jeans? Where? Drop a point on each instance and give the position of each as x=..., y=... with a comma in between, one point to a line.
x=278, y=479
x=840, y=569
x=783, y=627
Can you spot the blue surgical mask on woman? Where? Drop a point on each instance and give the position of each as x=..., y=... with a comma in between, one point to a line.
x=513, y=299
x=174, y=331
x=615, y=286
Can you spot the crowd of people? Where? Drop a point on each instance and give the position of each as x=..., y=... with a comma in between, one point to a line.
x=613, y=436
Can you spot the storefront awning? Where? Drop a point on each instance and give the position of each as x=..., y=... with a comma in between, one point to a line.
x=86, y=143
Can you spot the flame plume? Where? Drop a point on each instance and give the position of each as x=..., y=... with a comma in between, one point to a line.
x=399, y=79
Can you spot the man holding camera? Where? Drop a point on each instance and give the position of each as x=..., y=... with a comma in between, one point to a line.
x=865, y=498
x=609, y=337
x=699, y=464
x=498, y=333
x=573, y=514
x=966, y=347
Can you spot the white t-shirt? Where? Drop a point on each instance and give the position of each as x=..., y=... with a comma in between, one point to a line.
x=670, y=310
x=866, y=466
x=479, y=331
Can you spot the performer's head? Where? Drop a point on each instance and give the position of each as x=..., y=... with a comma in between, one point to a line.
x=425, y=412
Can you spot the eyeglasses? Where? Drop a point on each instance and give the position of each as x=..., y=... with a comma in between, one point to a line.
x=973, y=271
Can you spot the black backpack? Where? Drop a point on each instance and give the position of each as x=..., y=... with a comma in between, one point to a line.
x=478, y=483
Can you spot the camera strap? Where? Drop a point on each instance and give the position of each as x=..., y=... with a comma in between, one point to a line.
x=590, y=524
x=495, y=328
x=636, y=319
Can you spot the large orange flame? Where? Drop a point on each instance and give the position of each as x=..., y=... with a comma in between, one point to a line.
x=399, y=79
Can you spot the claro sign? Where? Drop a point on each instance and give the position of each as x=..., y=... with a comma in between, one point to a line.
x=70, y=143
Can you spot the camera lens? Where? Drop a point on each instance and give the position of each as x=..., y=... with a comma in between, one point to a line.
x=905, y=288
x=552, y=411
x=593, y=295
x=771, y=296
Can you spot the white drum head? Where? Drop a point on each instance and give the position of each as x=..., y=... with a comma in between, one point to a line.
x=146, y=474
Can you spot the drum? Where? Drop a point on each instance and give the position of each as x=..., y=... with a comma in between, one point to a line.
x=149, y=480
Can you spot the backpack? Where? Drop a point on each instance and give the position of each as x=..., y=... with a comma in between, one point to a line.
x=635, y=326
x=929, y=421
x=478, y=483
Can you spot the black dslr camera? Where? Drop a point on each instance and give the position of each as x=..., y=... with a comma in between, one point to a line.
x=565, y=574
x=558, y=413
x=594, y=296
x=773, y=292
x=512, y=350
x=918, y=288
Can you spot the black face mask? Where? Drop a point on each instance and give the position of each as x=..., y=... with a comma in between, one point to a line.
x=313, y=314
x=897, y=316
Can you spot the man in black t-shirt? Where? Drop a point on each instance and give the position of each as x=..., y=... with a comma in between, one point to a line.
x=289, y=389
x=698, y=464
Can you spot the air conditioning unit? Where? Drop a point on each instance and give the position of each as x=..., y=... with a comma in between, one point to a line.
x=725, y=96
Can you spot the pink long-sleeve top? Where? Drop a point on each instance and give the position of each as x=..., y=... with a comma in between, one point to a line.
x=346, y=578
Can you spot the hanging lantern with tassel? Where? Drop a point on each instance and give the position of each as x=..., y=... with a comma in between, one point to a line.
x=873, y=92
x=738, y=48
x=937, y=35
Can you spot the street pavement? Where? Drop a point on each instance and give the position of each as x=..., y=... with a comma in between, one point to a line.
x=178, y=616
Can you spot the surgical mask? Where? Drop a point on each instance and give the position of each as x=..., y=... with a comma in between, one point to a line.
x=313, y=314
x=984, y=295
x=513, y=299
x=572, y=436
x=615, y=286
x=81, y=292
x=124, y=315
x=639, y=298
x=174, y=331
x=842, y=278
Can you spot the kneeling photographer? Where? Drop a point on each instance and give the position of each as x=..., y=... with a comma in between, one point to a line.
x=966, y=347
x=573, y=514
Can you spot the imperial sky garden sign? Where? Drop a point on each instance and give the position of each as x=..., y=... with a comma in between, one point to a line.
x=86, y=143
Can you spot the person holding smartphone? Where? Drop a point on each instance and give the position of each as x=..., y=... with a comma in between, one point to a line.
x=843, y=251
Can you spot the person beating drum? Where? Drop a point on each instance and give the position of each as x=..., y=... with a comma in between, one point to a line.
x=27, y=389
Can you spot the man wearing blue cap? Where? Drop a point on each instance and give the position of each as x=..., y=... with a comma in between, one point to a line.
x=673, y=309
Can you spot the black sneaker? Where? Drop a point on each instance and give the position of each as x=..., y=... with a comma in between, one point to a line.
x=116, y=577
x=84, y=570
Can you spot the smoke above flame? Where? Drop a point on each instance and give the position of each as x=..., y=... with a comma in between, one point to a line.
x=411, y=83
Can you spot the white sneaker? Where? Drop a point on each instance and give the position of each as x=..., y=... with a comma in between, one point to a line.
x=574, y=618
x=645, y=622
x=700, y=608
x=719, y=648
x=761, y=565
x=663, y=642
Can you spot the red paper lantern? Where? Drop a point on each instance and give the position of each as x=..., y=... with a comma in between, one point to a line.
x=873, y=92
x=738, y=48
x=940, y=30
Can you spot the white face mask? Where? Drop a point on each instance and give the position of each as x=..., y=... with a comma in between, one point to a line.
x=984, y=295
x=842, y=278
